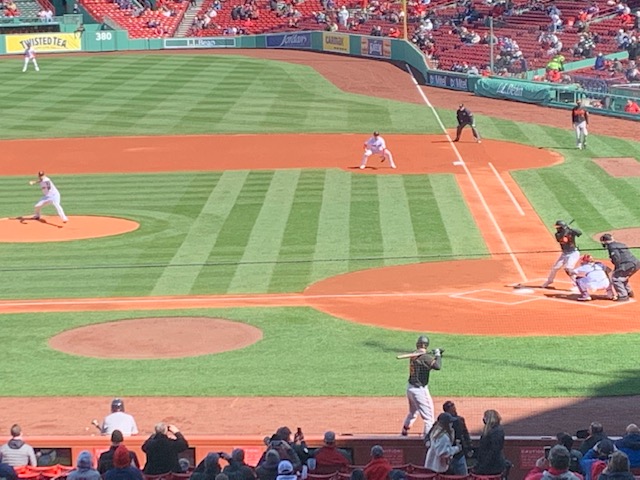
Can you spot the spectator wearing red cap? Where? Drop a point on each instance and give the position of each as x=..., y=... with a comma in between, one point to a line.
x=122, y=468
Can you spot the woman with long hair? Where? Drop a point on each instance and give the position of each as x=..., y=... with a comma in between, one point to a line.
x=490, y=452
x=441, y=449
x=617, y=468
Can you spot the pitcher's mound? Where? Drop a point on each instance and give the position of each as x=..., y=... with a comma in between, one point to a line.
x=52, y=229
x=162, y=337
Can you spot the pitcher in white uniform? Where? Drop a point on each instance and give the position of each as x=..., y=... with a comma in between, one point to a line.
x=376, y=144
x=50, y=196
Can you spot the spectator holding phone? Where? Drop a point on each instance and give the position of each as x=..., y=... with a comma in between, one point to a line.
x=555, y=466
x=162, y=451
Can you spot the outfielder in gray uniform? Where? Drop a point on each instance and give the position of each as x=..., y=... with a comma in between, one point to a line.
x=420, y=401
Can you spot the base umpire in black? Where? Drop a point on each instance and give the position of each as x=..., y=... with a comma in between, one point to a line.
x=624, y=266
x=465, y=117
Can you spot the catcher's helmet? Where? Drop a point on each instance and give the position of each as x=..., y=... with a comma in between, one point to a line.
x=607, y=237
x=560, y=223
x=586, y=258
x=422, y=340
x=117, y=405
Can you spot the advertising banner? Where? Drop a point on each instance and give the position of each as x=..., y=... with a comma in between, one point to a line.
x=375, y=47
x=528, y=92
x=335, y=42
x=289, y=40
x=200, y=42
x=448, y=80
x=44, y=42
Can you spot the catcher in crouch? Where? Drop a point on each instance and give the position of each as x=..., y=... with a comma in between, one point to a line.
x=591, y=276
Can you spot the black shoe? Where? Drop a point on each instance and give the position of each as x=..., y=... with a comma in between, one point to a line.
x=405, y=431
x=622, y=299
x=631, y=294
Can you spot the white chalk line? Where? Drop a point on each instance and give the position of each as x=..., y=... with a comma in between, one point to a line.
x=507, y=189
x=485, y=205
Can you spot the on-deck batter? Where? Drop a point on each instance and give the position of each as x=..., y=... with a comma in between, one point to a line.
x=420, y=401
x=51, y=196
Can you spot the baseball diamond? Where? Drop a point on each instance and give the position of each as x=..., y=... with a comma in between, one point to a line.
x=238, y=184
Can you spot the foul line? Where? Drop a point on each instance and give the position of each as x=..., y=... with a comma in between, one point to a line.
x=507, y=189
x=462, y=163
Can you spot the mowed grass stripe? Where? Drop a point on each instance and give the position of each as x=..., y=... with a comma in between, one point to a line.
x=426, y=217
x=189, y=259
x=365, y=235
x=293, y=269
x=398, y=238
x=253, y=274
x=333, y=236
x=463, y=238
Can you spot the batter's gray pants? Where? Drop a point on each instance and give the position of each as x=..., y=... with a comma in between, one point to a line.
x=420, y=402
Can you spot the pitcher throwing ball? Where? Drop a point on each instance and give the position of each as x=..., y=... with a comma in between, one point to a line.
x=376, y=144
x=50, y=196
x=421, y=363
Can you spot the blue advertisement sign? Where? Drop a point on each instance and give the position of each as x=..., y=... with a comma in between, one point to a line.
x=289, y=40
x=445, y=80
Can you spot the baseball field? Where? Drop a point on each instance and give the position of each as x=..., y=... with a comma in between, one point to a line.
x=262, y=278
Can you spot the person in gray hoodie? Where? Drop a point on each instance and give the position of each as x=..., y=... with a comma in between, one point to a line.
x=84, y=470
x=16, y=452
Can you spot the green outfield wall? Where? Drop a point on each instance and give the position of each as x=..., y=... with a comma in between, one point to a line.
x=101, y=38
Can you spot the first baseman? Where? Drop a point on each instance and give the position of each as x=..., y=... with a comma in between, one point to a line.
x=376, y=144
x=580, y=120
x=30, y=56
x=569, y=255
x=50, y=196
x=420, y=401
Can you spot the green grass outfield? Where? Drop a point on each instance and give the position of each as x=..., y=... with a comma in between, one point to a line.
x=274, y=231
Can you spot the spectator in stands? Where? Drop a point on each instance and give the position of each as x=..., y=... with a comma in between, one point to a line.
x=490, y=451
x=376, y=31
x=343, y=16
x=458, y=464
x=6, y=471
x=286, y=471
x=16, y=452
x=441, y=444
x=122, y=468
x=622, y=39
x=632, y=73
x=268, y=469
x=566, y=441
x=105, y=462
x=279, y=442
x=84, y=468
x=208, y=468
x=600, y=63
x=630, y=443
x=595, y=460
x=237, y=468
x=618, y=468
x=633, y=49
x=556, y=22
x=162, y=451
x=329, y=458
x=556, y=466
x=394, y=33
x=379, y=467
x=595, y=433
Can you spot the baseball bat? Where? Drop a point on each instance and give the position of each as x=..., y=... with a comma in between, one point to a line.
x=417, y=353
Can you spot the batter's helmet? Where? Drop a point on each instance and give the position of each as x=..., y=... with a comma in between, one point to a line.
x=422, y=340
x=586, y=258
x=117, y=405
x=560, y=223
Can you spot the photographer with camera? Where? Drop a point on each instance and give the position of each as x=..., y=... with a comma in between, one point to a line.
x=162, y=451
x=287, y=450
x=421, y=363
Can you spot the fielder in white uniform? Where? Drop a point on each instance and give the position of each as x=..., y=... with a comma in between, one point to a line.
x=51, y=196
x=376, y=144
x=591, y=276
x=30, y=56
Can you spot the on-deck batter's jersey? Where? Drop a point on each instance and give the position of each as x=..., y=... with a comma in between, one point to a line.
x=376, y=144
x=579, y=114
x=119, y=421
x=593, y=271
x=47, y=186
x=419, y=368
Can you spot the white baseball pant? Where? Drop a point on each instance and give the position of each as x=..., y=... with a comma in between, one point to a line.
x=386, y=153
x=26, y=64
x=420, y=402
x=581, y=134
x=50, y=200
x=565, y=260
